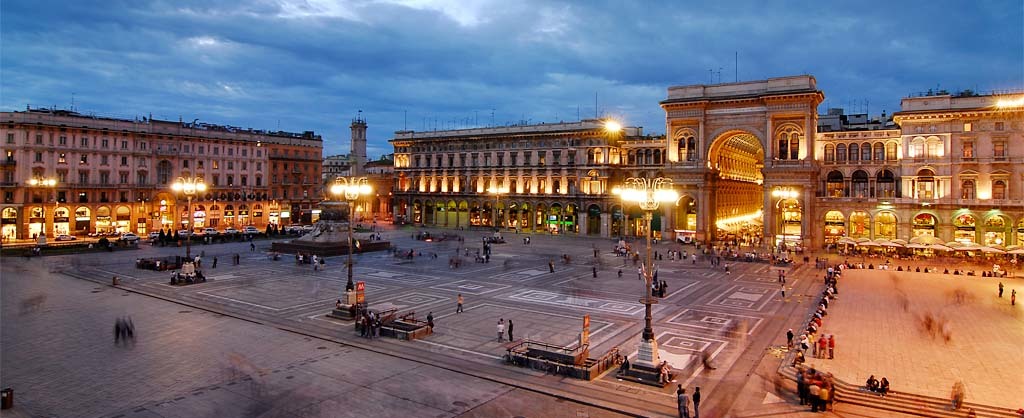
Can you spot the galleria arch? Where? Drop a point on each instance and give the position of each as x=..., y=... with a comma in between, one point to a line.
x=743, y=154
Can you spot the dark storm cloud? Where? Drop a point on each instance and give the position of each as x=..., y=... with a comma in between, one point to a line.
x=311, y=64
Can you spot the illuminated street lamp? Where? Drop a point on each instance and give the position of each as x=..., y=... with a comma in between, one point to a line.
x=648, y=195
x=496, y=191
x=47, y=183
x=783, y=194
x=189, y=186
x=350, y=188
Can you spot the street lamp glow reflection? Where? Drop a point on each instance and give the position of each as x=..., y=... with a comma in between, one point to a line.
x=612, y=126
x=189, y=186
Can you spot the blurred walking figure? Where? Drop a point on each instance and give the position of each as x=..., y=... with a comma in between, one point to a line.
x=124, y=329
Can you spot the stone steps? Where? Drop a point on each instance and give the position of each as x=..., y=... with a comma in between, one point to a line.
x=907, y=403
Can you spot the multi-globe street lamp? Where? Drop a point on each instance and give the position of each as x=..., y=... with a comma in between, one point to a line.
x=350, y=188
x=189, y=186
x=648, y=194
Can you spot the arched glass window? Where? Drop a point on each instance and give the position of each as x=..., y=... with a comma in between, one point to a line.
x=999, y=189
x=834, y=184
x=854, y=152
x=691, y=146
x=879, y=151
x=865, y=152
x=794, y=146
x=885, y=184
x=783, y=147
x=830, y=153
x=967, y=190
x=841, y=153
x=925, y=184
x=890, y=151
x=860, y=183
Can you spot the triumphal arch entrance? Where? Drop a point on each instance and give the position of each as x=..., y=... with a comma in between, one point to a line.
x=742, y=156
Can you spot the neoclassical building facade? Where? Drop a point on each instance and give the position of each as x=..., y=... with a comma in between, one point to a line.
x=749, y=164
x=114, y=175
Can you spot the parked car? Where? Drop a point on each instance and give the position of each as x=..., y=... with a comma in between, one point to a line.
x=210, y=232
x=184, y=233
x=293, y=229
x=307, y=228
x=129, y=237
x=230, y=230
x=66, y=237
x=154, y=235
x=250, y=230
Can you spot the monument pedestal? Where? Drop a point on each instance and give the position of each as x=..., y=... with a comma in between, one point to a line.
x=345, y=311
x=646, y=368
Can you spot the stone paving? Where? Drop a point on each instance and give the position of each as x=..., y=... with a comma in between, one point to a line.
x=879, y=326
x=59, y=355
x=733, y=317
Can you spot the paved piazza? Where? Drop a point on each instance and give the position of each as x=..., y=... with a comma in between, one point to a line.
x=254, y=340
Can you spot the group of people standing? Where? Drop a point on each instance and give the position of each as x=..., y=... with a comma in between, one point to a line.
x=683, y=402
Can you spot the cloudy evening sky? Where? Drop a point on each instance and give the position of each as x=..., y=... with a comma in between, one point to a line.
x=423, y=64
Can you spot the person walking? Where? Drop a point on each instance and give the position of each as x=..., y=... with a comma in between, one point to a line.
x=789, y=338
x=252, y=247
x=1000, y=289
x=214, y=262
x=822, y=345
x=551, y=265
x=510, y=330
x=501, y=329
x=430, y=320
x=594, y=270
x=783, y=291
x=683, y=403
x=1013, y=297
x=831, y=346
x=458, y=306
x=696, y=402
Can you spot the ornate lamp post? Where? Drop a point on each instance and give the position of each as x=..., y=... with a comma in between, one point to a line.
x=496, y=191
x=648, y=194
x=47, y=183
x=189, y=187
x=350, y=188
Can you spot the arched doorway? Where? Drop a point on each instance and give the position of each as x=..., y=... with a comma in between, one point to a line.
x=9, y=220
x=924, y=225
x=122, y=219
x=593, y=220
x=61, y=218
x=791, y=221
x=835, y=226
x=417, y=212
x=1020, y=231
x=736, y=159
x=925, y=188
x=103, y=220
x=618, y=221
x=463, y=214
x=859, y=181
x=428, y=215
x=451, y=214
x=885, y=225
x=538, y=219
x=996, y=230
x=860, y=224
x=554, y=219
x=83, y=217
x=965, y=228
x=569, y=218
x=686, y=215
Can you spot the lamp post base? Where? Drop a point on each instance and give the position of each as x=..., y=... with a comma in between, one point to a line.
x=348, y=299
x=647, y=354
